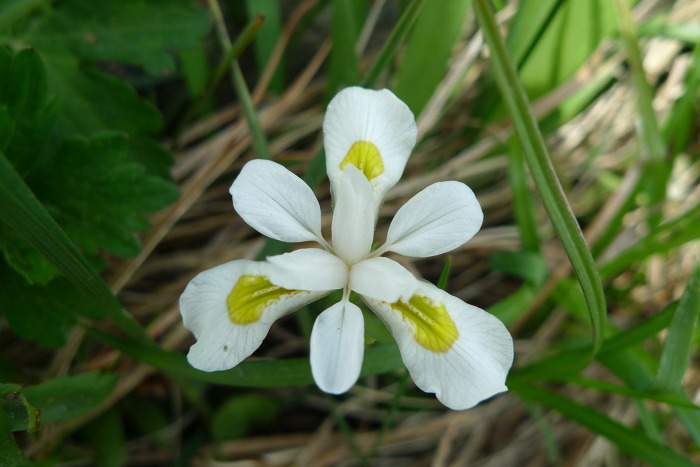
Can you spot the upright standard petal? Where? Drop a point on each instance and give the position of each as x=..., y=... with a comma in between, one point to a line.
x=337, y=347
x=230, y=309
x=353, y=217
x=308, y=269
x=455, y=350
x=276, y=203
x=382, y=279
x=438, y=219
x=372, y=130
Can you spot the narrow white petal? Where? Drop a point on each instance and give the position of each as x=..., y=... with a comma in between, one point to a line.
x=308, y=269
x=337, y=347
x=438, y=219
x=376, y=117
x=463, y=359
x=221, y=343
x=276, y=203
x=353, y=217
x=382, y=279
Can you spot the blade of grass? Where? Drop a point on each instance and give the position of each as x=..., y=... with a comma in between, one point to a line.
x=25, y=214
x=543, y=173
x=260, y=143
x=231, y=54
x=523, y=205
x=272, y=373
x=653, y=146
x=678, y=344
x=627, y=439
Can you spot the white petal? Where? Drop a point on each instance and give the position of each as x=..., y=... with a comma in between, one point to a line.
x=308, y=269
x=382, y=279
x=463, y=360
x=353, y=217
x=376, y=117
x=337, y=347
x=438, y=219
x=221, y=343
x=276, y=203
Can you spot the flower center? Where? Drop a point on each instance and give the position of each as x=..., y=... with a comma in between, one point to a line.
x=432, y=326
x=366, y=157
x=250, y=296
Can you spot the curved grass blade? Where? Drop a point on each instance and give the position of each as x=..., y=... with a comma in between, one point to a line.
x=625, y=438
x=25, y=214
x=543, y=173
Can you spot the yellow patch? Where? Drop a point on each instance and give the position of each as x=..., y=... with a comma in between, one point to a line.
x=366, y=157
x=433, y=327
x=250, y=296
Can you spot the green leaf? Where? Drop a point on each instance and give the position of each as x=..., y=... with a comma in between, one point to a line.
x=526, y=264
x=26, y=215
x=266, y=40
x=106, y=436
x=344, y=67
x=70, y=396
x=428, y=51
x=551, y=39
x=235, y=418
x=545, y=178
x=19, y=413
x=10, y=453
x=128, y=31
x=678, y=344
x=98, y=196
x=627, y=439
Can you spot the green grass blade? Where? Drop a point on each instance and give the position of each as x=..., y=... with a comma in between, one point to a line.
x=523, y=204
x=25, y=214
x=625, y=438
x=391, y=46
x=678, y=344
x=273, y=373
x=344, y=66
x=543, y=173
x=267, y=38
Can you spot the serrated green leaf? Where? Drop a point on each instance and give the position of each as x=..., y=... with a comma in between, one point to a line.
x=428, y=51
x=70, y=396
x=129, y=31
x=97, y=195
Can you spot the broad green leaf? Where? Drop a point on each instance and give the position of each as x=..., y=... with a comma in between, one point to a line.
x=273, y=373
x=550, y=39
x=627, y=439
x=129, y=31
x=428, y=51
x=240, y=413
x=546, y=181
x=678, y=344
x=70, y=396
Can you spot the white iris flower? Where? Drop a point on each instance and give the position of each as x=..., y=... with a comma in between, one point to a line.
x=452, y=349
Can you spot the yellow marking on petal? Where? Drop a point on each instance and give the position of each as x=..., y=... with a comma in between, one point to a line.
x=432, y=326
x=366, y=157
x=250, y=296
